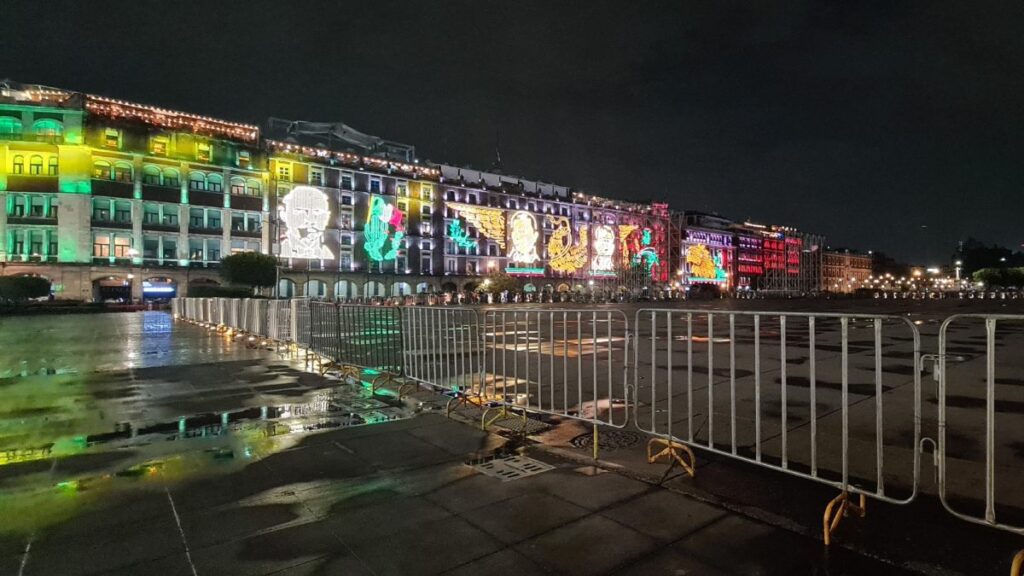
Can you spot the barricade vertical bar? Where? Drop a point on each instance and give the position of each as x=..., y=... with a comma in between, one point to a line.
x=732, y=381
x=551, y=358
x=689, y=375
x=579, y=358
x=565, y=361
x=812, y=377
x=608, y=317
x=540, y=366
x=711, y=380
x=593, y=368
x=526, y=357
x=757, y=386
x=785, y=406
x=668, y=383
x=879, y=450
x=515, y=356
x=845, y=323
x=990, y=419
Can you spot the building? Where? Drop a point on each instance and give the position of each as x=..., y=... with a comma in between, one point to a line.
x=844, y=270
x=110, y=199
x=117, y=200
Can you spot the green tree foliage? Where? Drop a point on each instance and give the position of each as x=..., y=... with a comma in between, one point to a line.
x=249, y=269
x=976, y=255
x=498, y=282
x=1000, y=276
x=18, y=288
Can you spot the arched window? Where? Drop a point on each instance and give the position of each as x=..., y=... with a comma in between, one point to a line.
x=51, y=165
x=123, y=172
x=253, y=187
x=171, y=177
x=101, y=170
x=48, y=130
x=18, y=164
x=35, y=165
x=215, y=183
x=237, y=185
x=197, y=181
x=151, y=175
x=10, y=128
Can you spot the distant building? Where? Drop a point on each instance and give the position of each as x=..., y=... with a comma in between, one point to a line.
x=846, y=270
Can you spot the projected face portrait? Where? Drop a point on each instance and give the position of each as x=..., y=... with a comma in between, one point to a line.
x=305, y=213
x=523, y=235
x=604, y=248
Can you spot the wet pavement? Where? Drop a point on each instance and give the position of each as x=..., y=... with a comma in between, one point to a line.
x=130, y=444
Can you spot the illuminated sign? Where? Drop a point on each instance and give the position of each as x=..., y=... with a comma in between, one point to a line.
x=646, y=256
x=305, y=213
x=709, y=238
x=523, y=236
x=562, y=254
x=706, y=266
x=383, y=224
x=604, y=250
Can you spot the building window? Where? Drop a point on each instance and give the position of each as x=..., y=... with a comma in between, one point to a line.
x=158, y=145
x=151, y=175
x=425, y=266
x=35, y=206
x=35, y=165
x=17, y=206
x=425, y=210
x=101, y=210
x=204, y=152
x=101, y=246
x=471, y=199
x=170, y=248
x=215, y=183
x=48, y=130
x=346, y=200
x=150, y=214
x=346, y=240
x=171, y=178
x=123, y=172
x=122, y=212
x=425, y=229
x=197, y=181
x=112, y=138
x=213, y=219
x=450, y=266
x=403, y=206
x=316, y=176
x=253, y=187
x=122, y=247
x=237, y=186
x=284, y=172
x=10, y=128
x=51, y=166
x=402, y=189
x=244, y=159
x=101, y=170
x=346, y=181
x=345, y=221
x=375, y=186
x=426, y=193
x=18, y=165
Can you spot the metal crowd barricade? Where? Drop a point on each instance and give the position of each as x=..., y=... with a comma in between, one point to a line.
x=443, y=348
x=693, y=390
x=279, y=320
x=566, y=363
x=356, y=338
x=994, y=405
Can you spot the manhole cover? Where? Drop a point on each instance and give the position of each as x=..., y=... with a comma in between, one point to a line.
x=511, y=467
x=608, y=439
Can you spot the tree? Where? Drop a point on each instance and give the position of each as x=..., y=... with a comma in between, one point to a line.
x=18, y=288
x=1004, y=277
x=249, y=269
x=498, y=282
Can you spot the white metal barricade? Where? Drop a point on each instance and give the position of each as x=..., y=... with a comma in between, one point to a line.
x=443, y=348
x=700, y=379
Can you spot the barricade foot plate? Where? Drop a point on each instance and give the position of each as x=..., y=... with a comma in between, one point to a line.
x=1017, y=568
x=837, y=509
x=674, y=452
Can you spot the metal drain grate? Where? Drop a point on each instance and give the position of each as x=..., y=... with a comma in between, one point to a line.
x=511, y=467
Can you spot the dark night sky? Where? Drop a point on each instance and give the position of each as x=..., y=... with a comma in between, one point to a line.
x=891, y=126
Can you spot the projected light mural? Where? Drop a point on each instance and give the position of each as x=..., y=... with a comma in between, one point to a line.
x=384, y=230
x=305, y=213
x=490, y=222
x=522, y=252
x=563, y=255
x=708, y=257
x=602, y=261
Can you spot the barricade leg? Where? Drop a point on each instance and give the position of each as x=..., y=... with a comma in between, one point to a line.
x=1017, y=568
x=675, y=453
x=837, y=509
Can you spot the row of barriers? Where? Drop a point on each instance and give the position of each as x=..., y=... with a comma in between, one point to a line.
x=831, y=398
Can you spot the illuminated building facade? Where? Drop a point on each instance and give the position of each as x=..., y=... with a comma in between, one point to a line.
x=110, y=199
x=844, y=271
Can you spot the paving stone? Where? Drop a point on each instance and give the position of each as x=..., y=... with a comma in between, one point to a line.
x=593, y=545
x=736, y=544
x=524, y=516
x=663, y=514
x=590, y=491
x=506, y=561
x=396, y=450
x=269, y=552
x=426, y=548
x=106, y=549
x=383, y=519
x=473, y=491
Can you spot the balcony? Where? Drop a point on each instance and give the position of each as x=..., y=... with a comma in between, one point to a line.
x=112, y=188
x=23, y=183
x=202, y=198
x=158, y=226
x=37, y=219
x=158, y=193
x=242, y=233
x=209, y=230
x=118, y=223
x=250, y=203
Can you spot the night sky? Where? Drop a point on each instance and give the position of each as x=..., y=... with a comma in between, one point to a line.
x=891, y=126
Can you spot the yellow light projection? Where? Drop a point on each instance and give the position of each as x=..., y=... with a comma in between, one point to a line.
x=562, y=254
x=702, y=265
x=523, y=235
x=604, y=249
x=624, y=231
x=489, y=221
